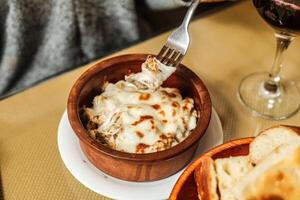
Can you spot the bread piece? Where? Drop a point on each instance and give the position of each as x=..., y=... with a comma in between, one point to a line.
x=270, y=139
x=240, y=190
x=282, y=181
x=230, y=171
x=205, y=177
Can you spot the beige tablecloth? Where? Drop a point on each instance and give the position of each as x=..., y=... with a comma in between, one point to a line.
x=224, y=48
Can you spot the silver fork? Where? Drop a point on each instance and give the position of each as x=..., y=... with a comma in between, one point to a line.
x=178, y=42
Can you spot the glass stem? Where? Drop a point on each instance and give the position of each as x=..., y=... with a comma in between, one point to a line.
x=273, y=82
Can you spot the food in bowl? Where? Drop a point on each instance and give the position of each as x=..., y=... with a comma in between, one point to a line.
x=271, y=170
x=138, y=115
x=132, y=166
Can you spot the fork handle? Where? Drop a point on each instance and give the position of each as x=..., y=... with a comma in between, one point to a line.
x=189, y=13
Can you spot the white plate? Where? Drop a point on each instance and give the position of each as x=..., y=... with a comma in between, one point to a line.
x=103, y=184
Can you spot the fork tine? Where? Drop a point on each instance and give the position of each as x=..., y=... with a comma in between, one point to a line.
x=178, y=60
x=178, y=40
x=161, y=53
x=171, y=61
x=166, y=57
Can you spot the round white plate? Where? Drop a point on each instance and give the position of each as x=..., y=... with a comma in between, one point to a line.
x=103, y=184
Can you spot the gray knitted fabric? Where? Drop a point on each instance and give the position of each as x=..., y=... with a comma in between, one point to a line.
x=39, y=38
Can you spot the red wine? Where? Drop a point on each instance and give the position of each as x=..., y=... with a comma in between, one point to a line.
x=283, y=15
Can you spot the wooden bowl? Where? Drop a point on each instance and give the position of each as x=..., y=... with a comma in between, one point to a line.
x=131, y=166
x=186, y=188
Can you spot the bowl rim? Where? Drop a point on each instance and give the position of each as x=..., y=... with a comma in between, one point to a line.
x=80, y=131
x=191, y=168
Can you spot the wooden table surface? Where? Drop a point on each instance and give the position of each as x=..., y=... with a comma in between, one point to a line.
x=225, y=47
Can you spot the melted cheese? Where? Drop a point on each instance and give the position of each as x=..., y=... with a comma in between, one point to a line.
x=129, y=116
x=153, y=74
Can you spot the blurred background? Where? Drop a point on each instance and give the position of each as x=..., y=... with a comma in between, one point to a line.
x=40, y=39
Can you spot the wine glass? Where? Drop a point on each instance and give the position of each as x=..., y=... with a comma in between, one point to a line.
x=269, y=95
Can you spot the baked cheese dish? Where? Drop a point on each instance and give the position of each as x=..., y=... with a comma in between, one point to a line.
x=138, y=115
